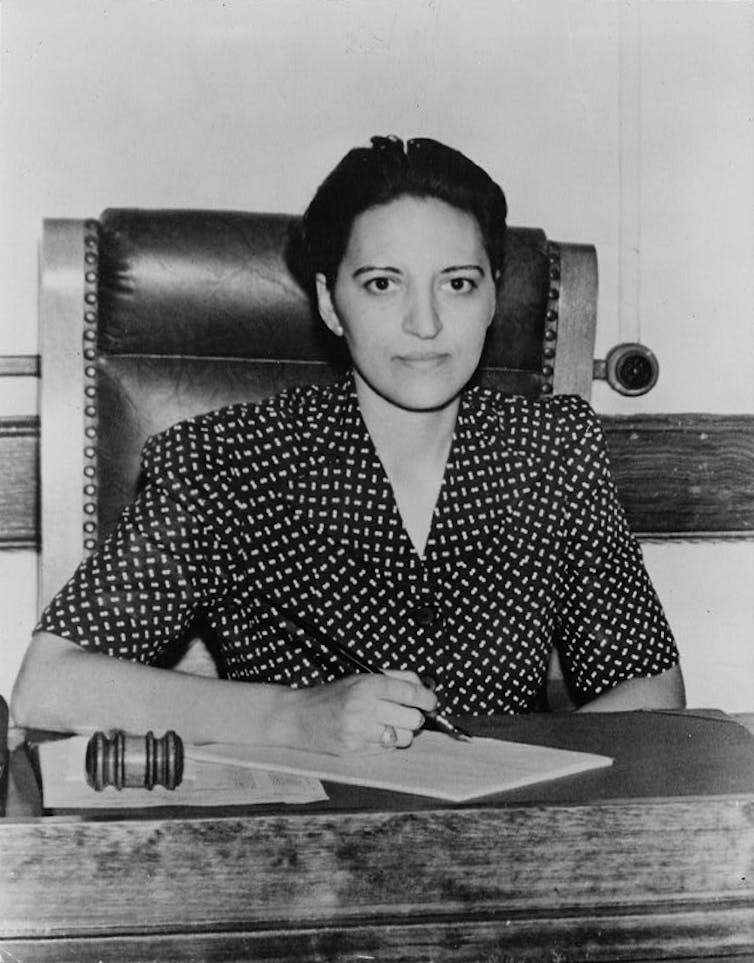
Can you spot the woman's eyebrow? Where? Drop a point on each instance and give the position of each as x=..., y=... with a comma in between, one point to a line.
x=375, y=267
x=366, y=268
x=463, y=267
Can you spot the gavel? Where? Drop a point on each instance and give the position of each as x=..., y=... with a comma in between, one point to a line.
x=142, y=762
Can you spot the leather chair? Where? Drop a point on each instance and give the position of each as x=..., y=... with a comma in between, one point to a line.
x=150, y=316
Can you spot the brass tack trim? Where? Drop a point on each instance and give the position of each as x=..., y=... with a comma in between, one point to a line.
x=550, y=333
x=89, y=352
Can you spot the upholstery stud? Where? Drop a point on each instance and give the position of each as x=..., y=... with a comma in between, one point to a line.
x=91, y=281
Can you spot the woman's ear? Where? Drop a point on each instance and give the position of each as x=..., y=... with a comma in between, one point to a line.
x=326, y=307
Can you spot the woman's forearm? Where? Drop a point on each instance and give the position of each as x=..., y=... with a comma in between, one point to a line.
x=664, y=691
x=66, y=688
x=69, y=689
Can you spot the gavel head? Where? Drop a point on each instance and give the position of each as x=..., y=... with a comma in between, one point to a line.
x=142, y=762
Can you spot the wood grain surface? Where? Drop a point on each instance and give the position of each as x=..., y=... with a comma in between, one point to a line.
x=19, y=482
x=685, y=475
x=678, y=476
x=699, y=935
x=621, y=876
x=657, y=871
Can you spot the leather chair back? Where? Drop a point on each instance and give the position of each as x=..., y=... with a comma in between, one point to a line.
x=150, y=316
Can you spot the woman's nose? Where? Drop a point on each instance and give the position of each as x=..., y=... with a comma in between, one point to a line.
x=422, y=318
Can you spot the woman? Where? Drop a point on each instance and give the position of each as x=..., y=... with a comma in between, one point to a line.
x=431, y=529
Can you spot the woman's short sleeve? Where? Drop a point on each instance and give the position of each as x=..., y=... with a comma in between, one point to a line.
x=612, y=625
x=137, y=594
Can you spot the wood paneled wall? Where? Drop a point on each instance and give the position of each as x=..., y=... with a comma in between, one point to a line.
x=19, y=482
x=679, y=476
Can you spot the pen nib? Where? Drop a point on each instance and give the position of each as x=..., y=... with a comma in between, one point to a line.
x=454, y=731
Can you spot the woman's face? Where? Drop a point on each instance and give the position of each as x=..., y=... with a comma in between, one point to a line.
x=413, y=297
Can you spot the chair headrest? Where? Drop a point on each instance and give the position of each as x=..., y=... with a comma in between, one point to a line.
x=228, y=284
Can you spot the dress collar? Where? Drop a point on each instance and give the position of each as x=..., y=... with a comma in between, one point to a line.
x=341, y=489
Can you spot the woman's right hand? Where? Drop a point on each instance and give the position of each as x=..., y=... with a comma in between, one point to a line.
x=356, y=714
x=64, y=687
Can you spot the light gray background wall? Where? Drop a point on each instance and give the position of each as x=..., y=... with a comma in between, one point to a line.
x=625, y=124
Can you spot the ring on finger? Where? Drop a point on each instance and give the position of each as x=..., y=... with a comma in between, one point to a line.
x=389, y=737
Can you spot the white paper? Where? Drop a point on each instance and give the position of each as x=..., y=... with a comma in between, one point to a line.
x=434, y=765
x=64, y=785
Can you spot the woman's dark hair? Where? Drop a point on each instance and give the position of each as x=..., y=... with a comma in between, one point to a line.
x=370, y=176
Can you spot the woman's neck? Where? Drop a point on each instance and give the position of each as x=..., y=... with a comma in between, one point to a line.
x=413, y=447
x=403, y=437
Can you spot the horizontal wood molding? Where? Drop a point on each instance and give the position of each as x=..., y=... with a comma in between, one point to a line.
x=506, y=938
x=19, y=482
x=20, y=366
x=686, y=476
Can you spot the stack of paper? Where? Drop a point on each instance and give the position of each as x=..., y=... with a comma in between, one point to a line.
x=64, y=785
x=434, y=765
x=217, y=774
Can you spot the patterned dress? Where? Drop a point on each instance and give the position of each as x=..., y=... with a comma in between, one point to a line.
x=258, y=516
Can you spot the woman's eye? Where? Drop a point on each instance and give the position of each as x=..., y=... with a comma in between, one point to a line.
x=379, y=284
x=461, y=285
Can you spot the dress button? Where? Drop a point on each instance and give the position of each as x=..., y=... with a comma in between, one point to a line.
x=425, y=614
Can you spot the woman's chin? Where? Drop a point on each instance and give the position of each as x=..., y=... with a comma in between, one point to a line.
x=426, y=397
x=417, y=388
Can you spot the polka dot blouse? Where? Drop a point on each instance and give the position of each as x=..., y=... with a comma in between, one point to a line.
x=258, y=516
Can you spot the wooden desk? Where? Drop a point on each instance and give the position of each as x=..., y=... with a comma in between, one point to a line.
x=572, y=870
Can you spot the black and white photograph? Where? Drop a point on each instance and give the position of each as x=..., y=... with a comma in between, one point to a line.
x=377, y=480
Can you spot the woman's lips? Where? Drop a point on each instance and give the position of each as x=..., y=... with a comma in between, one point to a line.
x=424, y=359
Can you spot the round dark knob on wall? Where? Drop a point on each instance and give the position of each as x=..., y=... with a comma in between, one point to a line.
x=631, y=369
